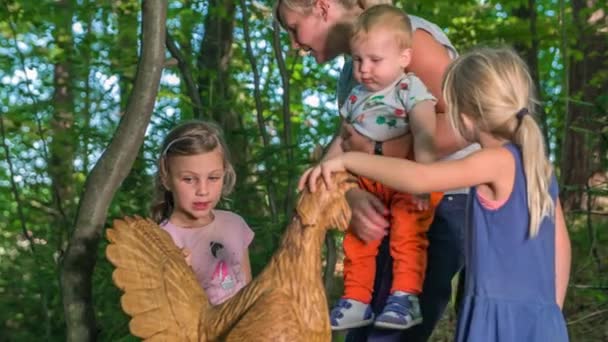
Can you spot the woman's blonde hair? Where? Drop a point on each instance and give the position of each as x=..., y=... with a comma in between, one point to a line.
x=189, y=138
x=492, y=87
x=305, y=6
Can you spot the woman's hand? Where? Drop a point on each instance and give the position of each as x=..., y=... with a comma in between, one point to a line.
x=352, y=140
x=369, y=215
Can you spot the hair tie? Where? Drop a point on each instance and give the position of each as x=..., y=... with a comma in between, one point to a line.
x=522, y=112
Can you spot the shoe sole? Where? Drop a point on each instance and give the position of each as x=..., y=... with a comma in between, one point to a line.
x=353, y=325
x=388, y=325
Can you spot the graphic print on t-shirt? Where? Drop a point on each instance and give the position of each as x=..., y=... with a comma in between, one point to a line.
x=221, y=274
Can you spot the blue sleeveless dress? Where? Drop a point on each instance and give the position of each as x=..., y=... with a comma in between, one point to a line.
x=510, y=284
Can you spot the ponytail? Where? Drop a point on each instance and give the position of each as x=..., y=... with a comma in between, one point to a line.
x=537, y=169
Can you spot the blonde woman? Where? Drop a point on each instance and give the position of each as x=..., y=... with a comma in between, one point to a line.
x=323, y=29
x=517, y=246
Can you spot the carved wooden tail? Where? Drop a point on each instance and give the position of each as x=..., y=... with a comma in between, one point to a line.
x=161, y=293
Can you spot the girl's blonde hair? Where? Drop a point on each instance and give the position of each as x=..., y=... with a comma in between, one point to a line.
x=305, y=6
x=187, y=139
x=495, y=90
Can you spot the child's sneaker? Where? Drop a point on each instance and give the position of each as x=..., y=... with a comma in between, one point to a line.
x=350, y=313
x=402, y=311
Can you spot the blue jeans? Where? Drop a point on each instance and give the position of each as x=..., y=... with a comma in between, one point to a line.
x=445, y=259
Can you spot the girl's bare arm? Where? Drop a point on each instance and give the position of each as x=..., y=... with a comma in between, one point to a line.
x=563, y=255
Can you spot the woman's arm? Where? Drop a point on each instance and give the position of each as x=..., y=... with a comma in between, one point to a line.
x=563, y=255
x=430, y=60
x=422, y=125
x=334, y=148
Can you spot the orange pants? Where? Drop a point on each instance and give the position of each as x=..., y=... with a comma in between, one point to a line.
x=408, y=245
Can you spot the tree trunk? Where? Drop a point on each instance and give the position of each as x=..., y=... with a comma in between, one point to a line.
x=61, y=148
x=529, y=51
x=124, y=66
x=259, y=110
x=125, y=49
x=286, y=116
x=581, y=145
x=106, y=176
x=213, y=63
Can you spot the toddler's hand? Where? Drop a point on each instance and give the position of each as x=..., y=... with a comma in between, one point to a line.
x=352, y=140
x=421, y=202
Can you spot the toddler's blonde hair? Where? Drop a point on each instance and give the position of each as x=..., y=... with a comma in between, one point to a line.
x=386, y=17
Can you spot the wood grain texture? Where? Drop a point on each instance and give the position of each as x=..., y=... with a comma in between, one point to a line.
x=285, y=302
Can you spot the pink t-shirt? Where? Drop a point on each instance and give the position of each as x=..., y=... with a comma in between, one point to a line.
x=216, y=253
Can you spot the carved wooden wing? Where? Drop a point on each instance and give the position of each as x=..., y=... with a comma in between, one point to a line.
x=161, y=293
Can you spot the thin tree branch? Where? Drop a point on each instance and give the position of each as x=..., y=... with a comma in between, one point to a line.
x=184, y=68
x=589, y=287
x=586, y=317
x=34, y=100
x=88, y=40
x=14, y=188
x=533, y=64
x=276, y=43
x=593, y=250
x=22, y=220
x=590, y=212
x=258, y=106
x=256, y=76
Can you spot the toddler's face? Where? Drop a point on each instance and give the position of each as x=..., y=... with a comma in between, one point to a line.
x=378, y=60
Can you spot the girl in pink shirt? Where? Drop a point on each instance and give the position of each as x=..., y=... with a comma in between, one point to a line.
x=194, y=172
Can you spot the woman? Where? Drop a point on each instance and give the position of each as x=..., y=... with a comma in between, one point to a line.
x=322, y=28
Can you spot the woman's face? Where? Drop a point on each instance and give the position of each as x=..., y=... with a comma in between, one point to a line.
x=309, y=30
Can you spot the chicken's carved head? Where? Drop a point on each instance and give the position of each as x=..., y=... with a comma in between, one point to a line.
x=327, y=208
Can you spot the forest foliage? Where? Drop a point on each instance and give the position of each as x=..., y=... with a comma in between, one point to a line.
x=68, y=71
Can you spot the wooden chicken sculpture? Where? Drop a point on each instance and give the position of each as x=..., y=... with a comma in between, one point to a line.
x=285, y=302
